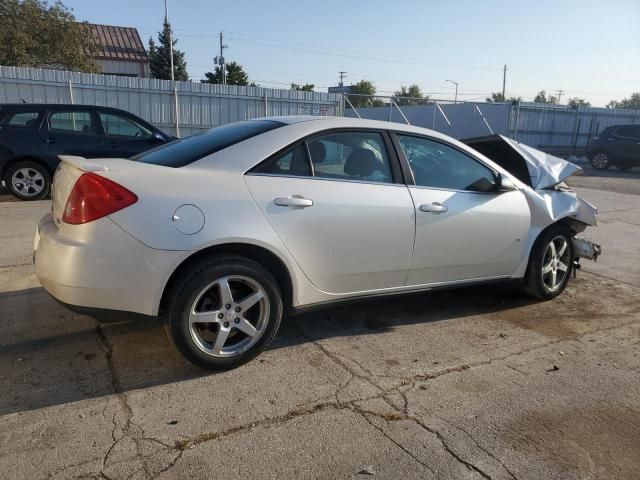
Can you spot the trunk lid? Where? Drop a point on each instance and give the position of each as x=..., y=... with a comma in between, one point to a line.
x=537, y=169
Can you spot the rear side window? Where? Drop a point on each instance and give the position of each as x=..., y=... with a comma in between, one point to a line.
x=190, y=149
x=351, y=156
x=628, y=131
x=22, y=119
x=72, y=122
x=292, y=162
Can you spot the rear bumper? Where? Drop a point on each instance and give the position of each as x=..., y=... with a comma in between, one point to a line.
x=101, y=268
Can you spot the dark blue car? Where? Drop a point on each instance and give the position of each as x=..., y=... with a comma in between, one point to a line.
x=32, y=136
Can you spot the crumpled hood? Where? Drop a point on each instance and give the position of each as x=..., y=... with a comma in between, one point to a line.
x=537, y=169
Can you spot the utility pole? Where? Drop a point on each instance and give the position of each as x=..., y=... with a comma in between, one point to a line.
x=166, y=20
x=219, y=60
x=504, y=82
x=173, y=75
x=342, y=77
x=560, y=93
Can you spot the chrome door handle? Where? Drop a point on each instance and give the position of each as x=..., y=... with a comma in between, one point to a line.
x=294, y=201
x=434, y=207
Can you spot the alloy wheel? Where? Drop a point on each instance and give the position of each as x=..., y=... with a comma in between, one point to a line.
x=229, y=316
x=600, y=160
x=555, y=263
x=27, y=182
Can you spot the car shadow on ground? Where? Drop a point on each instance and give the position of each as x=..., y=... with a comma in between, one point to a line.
x=49, y=356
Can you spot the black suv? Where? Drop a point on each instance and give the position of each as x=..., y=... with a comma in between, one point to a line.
x=618, y=145
x=32, y=136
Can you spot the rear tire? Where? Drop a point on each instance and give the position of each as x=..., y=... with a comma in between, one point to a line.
x=224, y=311
x=550, y=263
x=600, y=161
x=28, y=180
x=625, y=167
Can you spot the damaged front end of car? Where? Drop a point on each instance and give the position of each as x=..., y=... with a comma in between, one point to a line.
x=550, y=198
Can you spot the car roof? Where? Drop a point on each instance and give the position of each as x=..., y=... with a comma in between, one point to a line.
x=52, y=106
x=328, y=122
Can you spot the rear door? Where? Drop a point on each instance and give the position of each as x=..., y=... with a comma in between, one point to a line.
x=338, y=204
x=627, y=141
x=71, y=131
x=19, y=132
x=465, y=229
x=124, y=136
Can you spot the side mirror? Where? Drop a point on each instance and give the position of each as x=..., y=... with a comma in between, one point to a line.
x=506, y=184
x=157, y=138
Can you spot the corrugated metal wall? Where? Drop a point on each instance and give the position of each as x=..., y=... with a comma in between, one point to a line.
x=201, y=106
x=465, y=118
x=555, y=129
x=564, y=130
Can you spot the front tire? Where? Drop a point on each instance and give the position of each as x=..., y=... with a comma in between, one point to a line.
x=224, y=312
x=550, y=264
x=600, y=161
x=28, y=180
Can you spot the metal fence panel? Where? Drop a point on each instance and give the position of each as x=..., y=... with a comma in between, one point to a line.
x=560, y=130
x=200, y=105
x=465, y=118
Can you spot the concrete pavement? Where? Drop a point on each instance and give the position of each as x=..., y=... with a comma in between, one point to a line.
x=473, y=383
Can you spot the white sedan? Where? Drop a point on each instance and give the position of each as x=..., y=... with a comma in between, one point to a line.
x=224, y=232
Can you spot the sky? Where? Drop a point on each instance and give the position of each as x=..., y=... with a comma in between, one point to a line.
x=586, y=48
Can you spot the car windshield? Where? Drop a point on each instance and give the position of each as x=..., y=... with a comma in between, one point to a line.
x=189, y=149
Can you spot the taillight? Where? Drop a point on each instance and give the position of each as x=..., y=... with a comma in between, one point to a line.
x=94, y=197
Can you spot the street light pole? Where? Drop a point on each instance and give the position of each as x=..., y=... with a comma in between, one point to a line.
x=456, y=84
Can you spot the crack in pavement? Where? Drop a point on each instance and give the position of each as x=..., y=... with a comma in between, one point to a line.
x=457, y=427
x=129, y=429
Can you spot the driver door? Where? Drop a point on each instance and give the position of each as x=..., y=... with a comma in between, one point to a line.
x=124, y=137
x=465, y=228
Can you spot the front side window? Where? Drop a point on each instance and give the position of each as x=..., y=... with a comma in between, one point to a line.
x=190, y=149
x=628, y=131
x=118, y=126
x=437, y=165
x=351, y=156
x=71, y=122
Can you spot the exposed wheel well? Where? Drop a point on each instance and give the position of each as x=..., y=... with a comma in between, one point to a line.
x=261, y=255
x=25, y=158
x=575, y=226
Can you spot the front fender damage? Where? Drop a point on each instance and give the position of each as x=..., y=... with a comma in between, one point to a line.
x=549, y=206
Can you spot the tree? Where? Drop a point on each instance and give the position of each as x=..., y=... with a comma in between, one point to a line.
x=632, y=102
x=160, y=56
x=578, y=102
x=541, y=97
x=412, y=96
x=235, y=75
x=36, y=34
x=364, y=87
x=307, y=87
x=496, y=97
